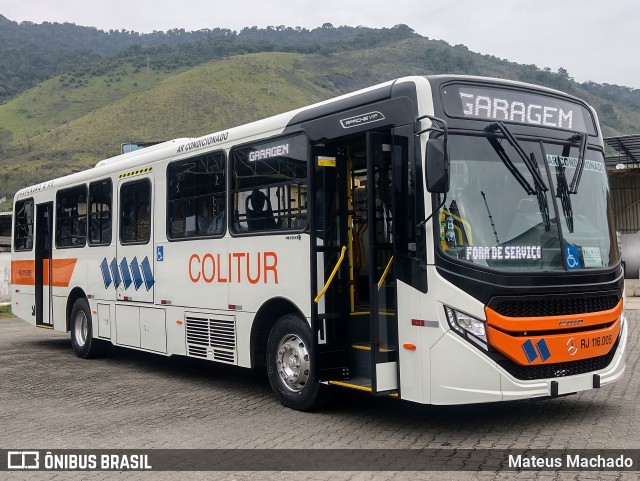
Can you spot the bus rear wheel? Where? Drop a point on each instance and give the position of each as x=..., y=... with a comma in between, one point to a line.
x=289, y=365
x=82, y=341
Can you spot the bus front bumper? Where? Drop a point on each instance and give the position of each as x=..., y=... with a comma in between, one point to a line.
x=473, y=377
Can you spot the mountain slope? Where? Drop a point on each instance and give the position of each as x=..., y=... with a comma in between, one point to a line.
x=210, y=97
x=74, y=120
x=31, y=53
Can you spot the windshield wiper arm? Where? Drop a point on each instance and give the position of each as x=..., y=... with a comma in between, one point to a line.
x=531, y=165
x=564, y=190
x=543, y=204
x=509, y=165
x=577, y=175
x=565, y=198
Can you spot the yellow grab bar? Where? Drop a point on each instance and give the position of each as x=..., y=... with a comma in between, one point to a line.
x=384, y=274
x=333, y=273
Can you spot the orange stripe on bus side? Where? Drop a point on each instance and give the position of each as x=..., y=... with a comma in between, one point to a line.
x=62, y=272
x=24, y=273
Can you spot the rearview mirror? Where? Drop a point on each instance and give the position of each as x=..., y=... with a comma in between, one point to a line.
x=437, y=166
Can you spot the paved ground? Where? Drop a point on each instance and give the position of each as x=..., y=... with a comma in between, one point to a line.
x=51, y=399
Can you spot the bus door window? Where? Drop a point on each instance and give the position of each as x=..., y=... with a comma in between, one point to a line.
x=23, y=231
x=359, y=226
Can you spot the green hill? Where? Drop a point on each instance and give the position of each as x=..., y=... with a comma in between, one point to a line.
x=204, y=99
x=74, y=120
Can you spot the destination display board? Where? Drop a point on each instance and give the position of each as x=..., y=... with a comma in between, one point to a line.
x=518, y=106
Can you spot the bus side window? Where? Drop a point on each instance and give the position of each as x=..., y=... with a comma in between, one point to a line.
x=269, y=185
x=196, y=197
x=135, y=212
x=71, y=217
x=100, y=195
x=259, y=211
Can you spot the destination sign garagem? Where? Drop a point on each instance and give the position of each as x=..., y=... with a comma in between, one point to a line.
x=505, y=105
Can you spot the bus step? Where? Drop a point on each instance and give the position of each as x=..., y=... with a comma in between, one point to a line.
x=361, y=384
x=366, y=346
x=364, y=311
x=360, y=358
x=358, y=383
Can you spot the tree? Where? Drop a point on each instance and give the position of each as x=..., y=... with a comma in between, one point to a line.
x=564, y=73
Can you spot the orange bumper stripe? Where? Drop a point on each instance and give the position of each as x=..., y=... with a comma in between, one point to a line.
x=550, y=323
x=526, y=341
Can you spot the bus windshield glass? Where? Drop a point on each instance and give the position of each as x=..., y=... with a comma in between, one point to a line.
x=493, y=219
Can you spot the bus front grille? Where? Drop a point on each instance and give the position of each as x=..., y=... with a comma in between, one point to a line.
x=554, y=306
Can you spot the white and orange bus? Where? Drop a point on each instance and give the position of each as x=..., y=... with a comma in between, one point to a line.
x=441, y=239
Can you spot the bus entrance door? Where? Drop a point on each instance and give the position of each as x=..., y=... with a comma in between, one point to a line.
x=355, y=277
x=330, y=267
x=43, y=265
x=378, y=269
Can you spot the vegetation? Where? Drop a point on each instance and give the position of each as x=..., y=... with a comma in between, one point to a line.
x=69, y=95
x=31, y=53
x=5, y=311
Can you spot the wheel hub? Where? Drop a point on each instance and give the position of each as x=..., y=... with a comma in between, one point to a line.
x=292, y=360
x=81, y=328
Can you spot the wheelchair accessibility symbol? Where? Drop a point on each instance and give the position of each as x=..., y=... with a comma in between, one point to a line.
x=571, y=257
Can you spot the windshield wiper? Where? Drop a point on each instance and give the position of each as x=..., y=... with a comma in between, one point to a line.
x=543, y=205
x=565, y=190
x=509, y=165
x=563, y=194
x=577, y=175
x=529, y=161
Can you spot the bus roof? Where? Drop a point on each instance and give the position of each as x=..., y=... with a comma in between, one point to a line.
x=185, y=147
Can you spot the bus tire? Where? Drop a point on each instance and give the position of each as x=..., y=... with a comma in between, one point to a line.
x=291, y=374
x=82, y=341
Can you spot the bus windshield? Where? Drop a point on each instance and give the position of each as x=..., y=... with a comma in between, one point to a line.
x=493, y=218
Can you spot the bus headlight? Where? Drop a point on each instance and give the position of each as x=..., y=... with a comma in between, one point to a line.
x=465, y=324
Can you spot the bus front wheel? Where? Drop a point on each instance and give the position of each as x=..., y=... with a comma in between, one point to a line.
x=289, y=366
x=82, y=341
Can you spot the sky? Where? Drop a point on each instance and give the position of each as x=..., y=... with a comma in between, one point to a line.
x=593, y=41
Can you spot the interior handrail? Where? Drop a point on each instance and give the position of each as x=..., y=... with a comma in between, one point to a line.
x=384, y=274
x=333, y=273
